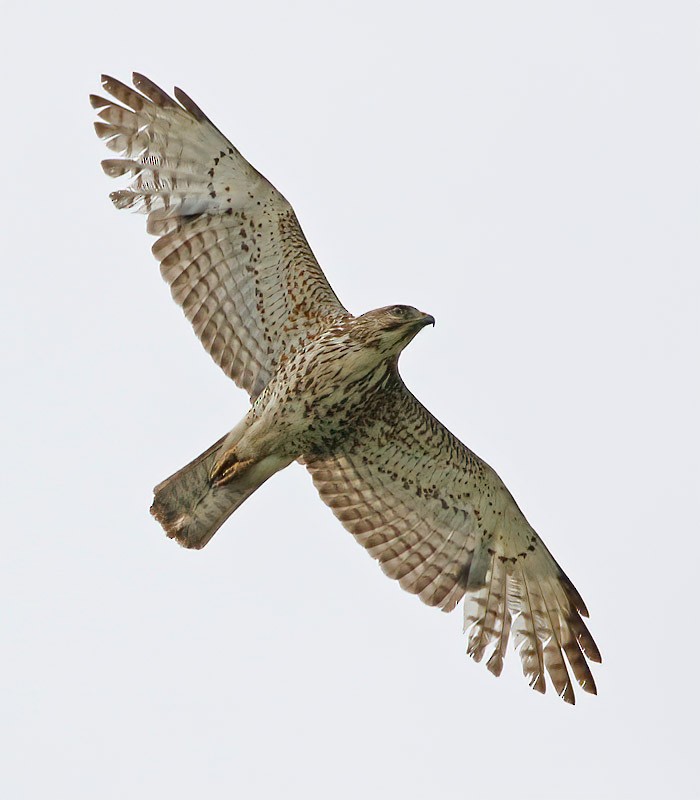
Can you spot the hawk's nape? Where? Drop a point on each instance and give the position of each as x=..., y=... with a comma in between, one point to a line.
x=325, y=390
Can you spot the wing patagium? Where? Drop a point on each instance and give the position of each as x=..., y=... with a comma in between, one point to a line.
x=229, y=245
x=441, y=522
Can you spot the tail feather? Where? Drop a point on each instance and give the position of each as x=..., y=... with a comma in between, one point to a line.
x=190, y=508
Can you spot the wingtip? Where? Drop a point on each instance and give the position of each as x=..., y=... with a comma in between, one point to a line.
x=189, y=105
x=140, y=81
x=152, y=91
x=568, y=696
x=495, y=664
x=590, y=648
x=116, y=167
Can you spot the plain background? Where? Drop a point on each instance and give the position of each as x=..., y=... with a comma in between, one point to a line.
x=528, y=172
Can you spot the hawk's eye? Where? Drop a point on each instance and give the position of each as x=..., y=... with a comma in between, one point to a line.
x=399, y=311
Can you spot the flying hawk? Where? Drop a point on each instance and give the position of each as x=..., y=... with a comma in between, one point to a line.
x=325, y=390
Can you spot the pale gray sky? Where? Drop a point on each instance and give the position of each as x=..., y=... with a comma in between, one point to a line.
x=526, y=172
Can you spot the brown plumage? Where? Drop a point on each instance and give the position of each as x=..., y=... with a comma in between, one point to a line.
x=325, y=390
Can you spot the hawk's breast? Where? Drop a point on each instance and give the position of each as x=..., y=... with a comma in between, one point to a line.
x=324, y=392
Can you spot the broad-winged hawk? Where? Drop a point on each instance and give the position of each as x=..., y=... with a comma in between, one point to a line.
x=325, y=390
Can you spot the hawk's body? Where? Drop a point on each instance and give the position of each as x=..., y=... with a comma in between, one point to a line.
x=325, y=390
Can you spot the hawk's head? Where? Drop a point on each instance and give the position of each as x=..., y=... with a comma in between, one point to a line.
x=391, y=328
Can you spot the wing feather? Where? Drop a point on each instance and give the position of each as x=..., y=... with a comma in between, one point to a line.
x=230, y=245
x=440, y=522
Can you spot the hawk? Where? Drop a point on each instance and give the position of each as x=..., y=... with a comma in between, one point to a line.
x=325, y=390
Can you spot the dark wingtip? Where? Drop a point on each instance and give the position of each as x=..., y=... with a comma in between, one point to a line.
x=152, y=91
x=110, y=84
x=189, y=105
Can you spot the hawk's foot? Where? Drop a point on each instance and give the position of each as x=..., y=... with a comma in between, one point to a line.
x=228, y=468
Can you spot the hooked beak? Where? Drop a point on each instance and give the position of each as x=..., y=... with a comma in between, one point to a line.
x=428, y=319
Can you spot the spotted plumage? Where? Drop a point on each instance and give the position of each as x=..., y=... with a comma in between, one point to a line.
x=325, y=390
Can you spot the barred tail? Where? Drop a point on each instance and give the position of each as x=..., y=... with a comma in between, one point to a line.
x=190, y=508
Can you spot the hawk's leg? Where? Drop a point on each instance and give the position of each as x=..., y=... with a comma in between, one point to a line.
x=228, y=468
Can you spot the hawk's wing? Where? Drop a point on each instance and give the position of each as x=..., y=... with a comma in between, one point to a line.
x=230, y=245
x=441, y=522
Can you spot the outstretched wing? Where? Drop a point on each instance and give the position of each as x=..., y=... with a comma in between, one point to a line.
x=440, y=521
x=230, y=245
